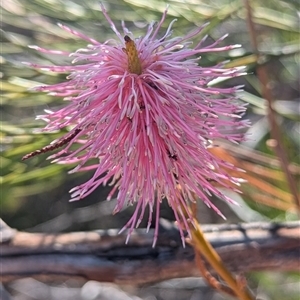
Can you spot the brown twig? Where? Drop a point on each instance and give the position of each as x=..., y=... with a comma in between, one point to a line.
x=267, y=94
x=103, y=255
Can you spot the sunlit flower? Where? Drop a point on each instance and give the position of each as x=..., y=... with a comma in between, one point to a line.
x=145, y=108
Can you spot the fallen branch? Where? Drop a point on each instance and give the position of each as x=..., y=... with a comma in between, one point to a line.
x=103, y=256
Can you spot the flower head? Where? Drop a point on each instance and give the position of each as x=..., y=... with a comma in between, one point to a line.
x=143, y=107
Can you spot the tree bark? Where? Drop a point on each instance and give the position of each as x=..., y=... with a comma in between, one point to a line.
x=103, y=255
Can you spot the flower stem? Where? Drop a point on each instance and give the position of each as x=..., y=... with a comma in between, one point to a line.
x=207, y=251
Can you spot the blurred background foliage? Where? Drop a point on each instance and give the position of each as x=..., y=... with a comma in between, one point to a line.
x=34, y=193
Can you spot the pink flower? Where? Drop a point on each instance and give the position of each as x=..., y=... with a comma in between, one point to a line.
x=143, y=107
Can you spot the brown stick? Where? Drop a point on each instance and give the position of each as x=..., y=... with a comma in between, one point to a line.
x=103, y=255
x=275, y=131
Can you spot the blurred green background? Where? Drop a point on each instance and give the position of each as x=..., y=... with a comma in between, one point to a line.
x=34, y=193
